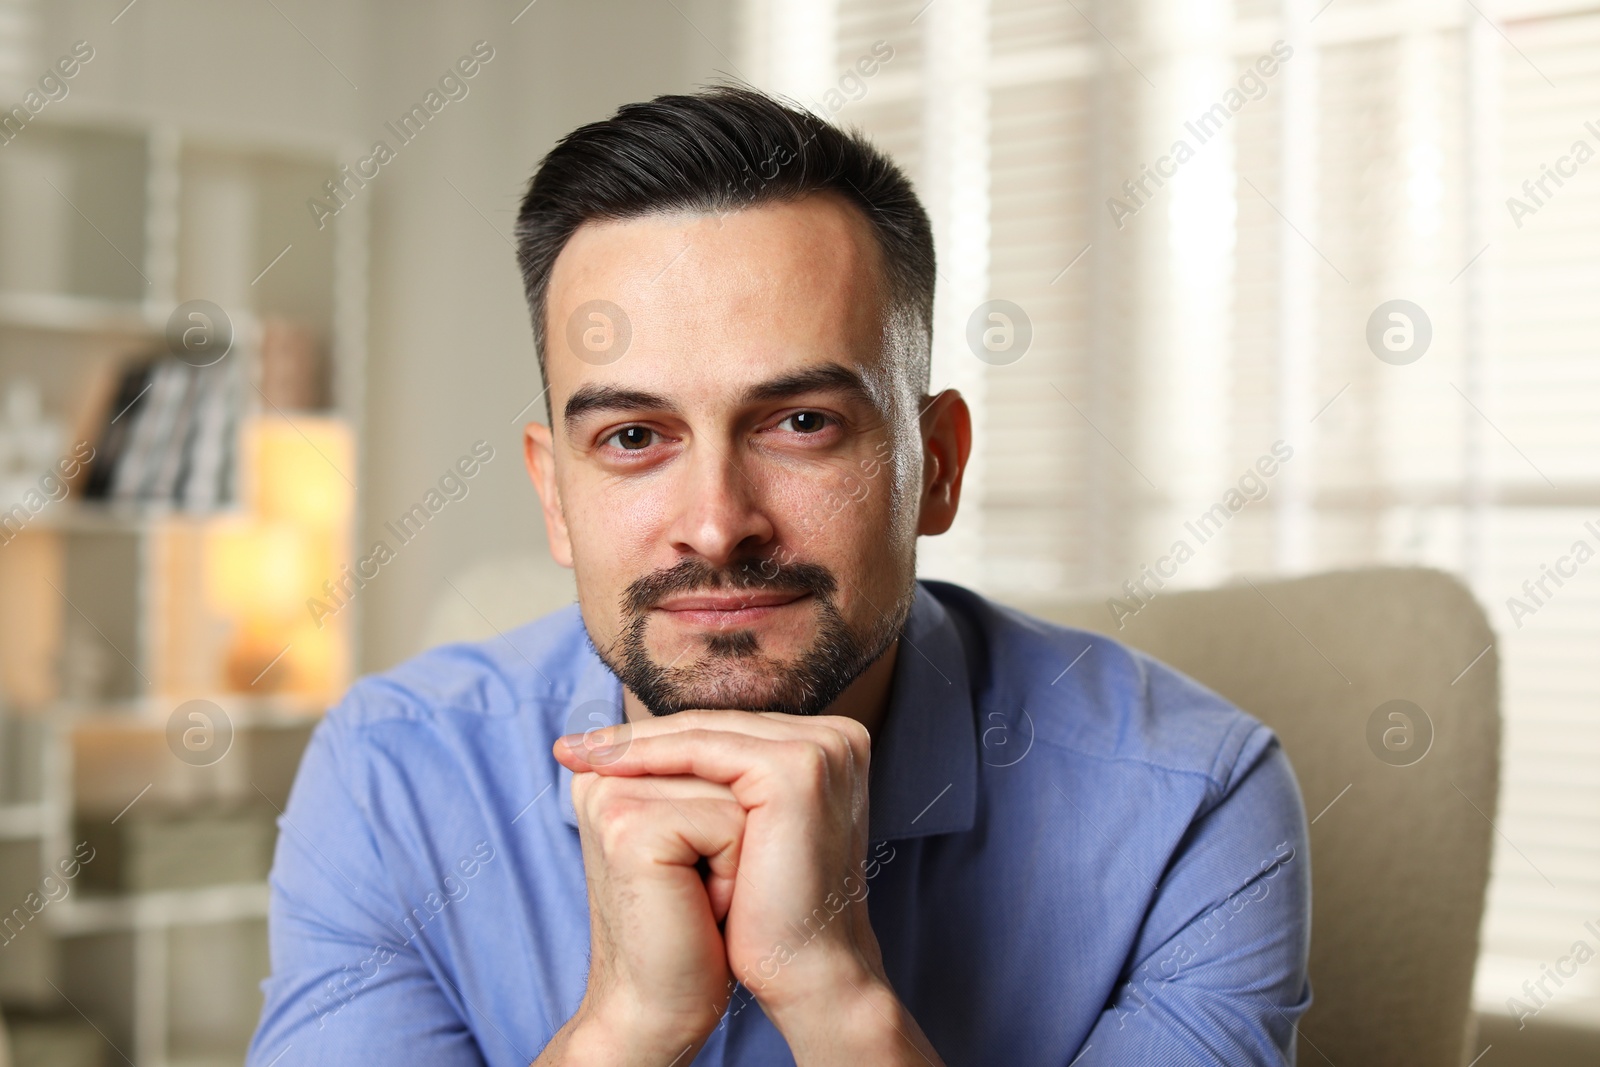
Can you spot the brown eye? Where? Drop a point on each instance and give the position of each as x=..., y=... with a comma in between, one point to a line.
x=807, y=421
x=633, y=438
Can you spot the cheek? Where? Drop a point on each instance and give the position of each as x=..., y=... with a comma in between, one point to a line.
x=615, y=537
x=839, y=516
x=610, y=513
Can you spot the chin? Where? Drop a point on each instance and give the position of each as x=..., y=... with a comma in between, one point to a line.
x=742, y=692
x=795, y=669
x=741, y=674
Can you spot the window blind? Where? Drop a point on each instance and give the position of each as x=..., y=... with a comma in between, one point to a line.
x=1223, y=308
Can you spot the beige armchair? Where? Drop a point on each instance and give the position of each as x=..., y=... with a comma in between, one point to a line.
x=1401, y=832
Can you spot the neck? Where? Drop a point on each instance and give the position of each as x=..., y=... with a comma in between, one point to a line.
x=866, y=700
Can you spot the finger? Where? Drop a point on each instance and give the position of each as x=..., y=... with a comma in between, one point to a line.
x=839, y=736
x=721, y=845
x=707, y=818
x=713, y=829
x=643, y=818
x=670, y=786
x=774, y=725
x=855, y=734
x=769, y=724
x=721, y=756
x=757, y=770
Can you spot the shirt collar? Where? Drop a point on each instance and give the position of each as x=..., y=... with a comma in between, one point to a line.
x=924, y=756
x=925, y=753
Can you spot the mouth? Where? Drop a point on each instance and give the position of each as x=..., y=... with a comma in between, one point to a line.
x=731, y=609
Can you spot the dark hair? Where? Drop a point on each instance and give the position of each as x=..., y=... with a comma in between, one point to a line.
x=718, y=150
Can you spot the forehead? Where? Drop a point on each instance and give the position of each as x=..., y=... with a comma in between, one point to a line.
x=708, y=304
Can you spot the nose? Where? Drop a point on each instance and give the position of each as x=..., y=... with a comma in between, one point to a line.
x=719, y=512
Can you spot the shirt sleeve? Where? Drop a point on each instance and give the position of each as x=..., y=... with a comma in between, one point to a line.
x=346, y=987
x=1225, y=982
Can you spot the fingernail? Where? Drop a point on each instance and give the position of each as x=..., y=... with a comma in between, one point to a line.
x=593, y=743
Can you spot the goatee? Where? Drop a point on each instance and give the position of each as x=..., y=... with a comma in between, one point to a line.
x=735, y=672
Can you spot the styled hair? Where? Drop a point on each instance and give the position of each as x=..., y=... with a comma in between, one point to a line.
x=719, y=150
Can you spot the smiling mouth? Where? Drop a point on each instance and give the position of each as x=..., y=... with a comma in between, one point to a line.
x=722, y=610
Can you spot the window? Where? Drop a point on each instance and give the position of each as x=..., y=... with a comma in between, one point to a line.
x=1190, y=307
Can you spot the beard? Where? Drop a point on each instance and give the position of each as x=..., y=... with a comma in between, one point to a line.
x=734, y=670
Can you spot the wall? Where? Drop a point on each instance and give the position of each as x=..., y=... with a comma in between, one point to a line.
x=450, y=357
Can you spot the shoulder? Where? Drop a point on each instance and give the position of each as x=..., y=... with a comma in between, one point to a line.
x=1087, y=695
x=534, y=666
x=458, y=732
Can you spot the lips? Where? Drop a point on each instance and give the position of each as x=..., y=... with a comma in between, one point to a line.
x=727, y=601
x=725, y=609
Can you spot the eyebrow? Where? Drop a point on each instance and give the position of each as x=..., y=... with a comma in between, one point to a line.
x=829, y=377
x=590, y=398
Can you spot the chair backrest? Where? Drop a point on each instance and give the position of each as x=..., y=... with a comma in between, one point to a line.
x=1400, y=845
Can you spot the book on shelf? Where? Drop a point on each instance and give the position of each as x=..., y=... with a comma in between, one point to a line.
x=114, y=436
x=205, y=478
x=168, y=437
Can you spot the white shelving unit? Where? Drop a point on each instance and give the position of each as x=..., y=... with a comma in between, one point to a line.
x=106, y=225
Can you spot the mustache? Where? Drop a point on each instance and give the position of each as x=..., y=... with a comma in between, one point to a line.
x=691, y=575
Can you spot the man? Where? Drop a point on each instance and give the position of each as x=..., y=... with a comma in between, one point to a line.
x=806, y=809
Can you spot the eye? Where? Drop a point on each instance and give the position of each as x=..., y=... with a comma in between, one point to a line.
x=632, y=438
x=806, y=421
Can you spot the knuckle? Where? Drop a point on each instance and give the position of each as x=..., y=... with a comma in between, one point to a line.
x=611, y=796
x=697, y=719
x=848, y=743
x=811, y=762
x=618, y=825
x=583, y=787
x=851, y=730
x=859, y=735
x=602, y=800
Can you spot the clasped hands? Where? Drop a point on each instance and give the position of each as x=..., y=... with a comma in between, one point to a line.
x=774, y=808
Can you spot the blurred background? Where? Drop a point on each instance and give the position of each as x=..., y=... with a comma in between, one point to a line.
x=242, y=346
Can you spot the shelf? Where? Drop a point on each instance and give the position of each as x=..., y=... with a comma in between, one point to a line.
x=76, y=314
x=126, y=594
x=245, y=710
x=131, y=518
x=77, y=916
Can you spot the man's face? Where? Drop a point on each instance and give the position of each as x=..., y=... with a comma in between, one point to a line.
x=738, y=491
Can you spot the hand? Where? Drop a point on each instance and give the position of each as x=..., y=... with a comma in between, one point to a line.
x=797, y=933
x=658, y=972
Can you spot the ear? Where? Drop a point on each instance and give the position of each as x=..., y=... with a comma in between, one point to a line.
x=946, y=444
x=538, y=453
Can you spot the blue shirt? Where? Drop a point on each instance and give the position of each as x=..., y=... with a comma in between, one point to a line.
x=1078, y=856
